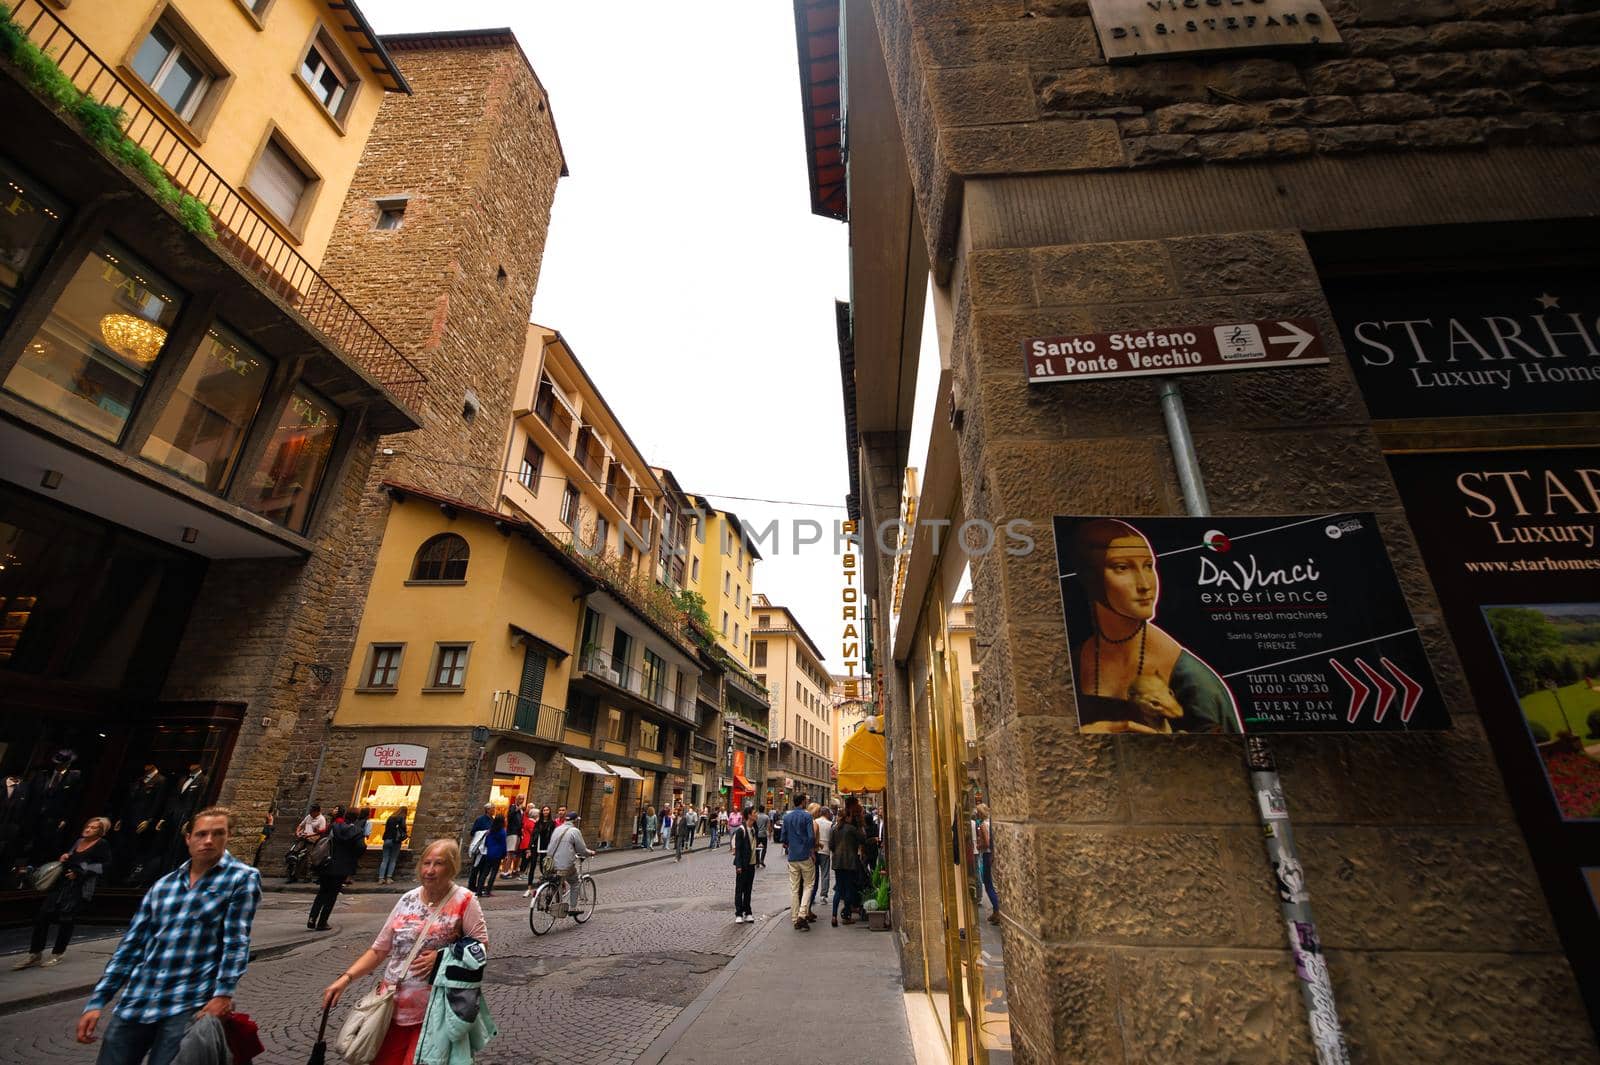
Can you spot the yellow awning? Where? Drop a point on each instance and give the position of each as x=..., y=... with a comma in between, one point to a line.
x=864, y=762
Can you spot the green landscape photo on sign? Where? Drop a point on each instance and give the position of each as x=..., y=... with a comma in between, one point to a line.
x=1551, y=655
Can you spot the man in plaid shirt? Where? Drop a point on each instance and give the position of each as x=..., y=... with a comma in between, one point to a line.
x=184, y=952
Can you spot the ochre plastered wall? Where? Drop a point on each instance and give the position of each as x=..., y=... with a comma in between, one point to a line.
x=263, y=60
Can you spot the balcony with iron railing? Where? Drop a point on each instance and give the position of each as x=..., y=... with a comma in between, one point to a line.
x=242, y=233
x=652, y=690
x=552, y=411
x=513, y=713
x=618, y=488
x=745, y=686
x=591, y=454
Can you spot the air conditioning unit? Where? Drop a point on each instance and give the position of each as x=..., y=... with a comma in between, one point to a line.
x=610, y=675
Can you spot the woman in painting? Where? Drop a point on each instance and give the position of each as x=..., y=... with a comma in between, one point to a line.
x=1132, y=675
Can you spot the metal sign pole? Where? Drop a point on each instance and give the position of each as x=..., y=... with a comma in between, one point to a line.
x=1309, y=964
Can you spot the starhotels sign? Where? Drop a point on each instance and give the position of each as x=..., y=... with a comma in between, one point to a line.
x=1141, y=29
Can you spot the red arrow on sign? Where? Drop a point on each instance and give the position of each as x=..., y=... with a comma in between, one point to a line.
x=1296, y=336
x=1358, y=690
x=1412, y=688
x=1385, y=690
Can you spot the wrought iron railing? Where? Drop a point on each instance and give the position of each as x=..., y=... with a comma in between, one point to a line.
x=749, y=687
x=598, y=663
x=242, y=231
x=512, y=712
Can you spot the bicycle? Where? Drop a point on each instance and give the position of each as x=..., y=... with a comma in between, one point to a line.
x=546, y=906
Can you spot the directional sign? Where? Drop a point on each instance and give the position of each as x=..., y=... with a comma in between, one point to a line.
x=1175, y=350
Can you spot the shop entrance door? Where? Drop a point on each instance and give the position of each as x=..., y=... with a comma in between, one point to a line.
x=610, y=788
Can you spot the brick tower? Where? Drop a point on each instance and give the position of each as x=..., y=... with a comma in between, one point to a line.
x=439, y=243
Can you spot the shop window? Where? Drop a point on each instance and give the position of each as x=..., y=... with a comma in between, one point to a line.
x=283, y=488
x=441, y=558
x=85, y=601
x=203, y=426
x=90, y=359
x=649, y=736
x=449, y=672
x=176, y=67
x=383, y=666
x=283, y=182
x=329, y=77
x=385, y=791
x=29, y=224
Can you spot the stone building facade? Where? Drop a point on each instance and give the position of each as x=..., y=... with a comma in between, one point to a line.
x=471, y=159
x=1053, y=193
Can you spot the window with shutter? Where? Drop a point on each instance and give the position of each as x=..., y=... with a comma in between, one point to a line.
x=279, y=182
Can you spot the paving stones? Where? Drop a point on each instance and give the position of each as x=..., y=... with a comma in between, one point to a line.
x=582, y=995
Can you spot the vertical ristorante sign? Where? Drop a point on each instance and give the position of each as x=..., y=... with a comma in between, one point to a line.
x=1139, y=29
x=850, y=614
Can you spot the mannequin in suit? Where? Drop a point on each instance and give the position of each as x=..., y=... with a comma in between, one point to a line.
x=138, y=841
x=184, y=798
x=55, y=794
x=14, y=834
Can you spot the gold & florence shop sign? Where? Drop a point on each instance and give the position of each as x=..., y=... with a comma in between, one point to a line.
x=1138, y=29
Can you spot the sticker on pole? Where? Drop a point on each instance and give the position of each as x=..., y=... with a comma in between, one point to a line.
x=1177, y=350
x=1240, y=625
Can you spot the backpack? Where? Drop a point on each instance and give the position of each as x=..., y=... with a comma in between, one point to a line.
x=322, y=851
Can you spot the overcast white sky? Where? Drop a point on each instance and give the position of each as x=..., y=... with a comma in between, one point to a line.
x=683, y=263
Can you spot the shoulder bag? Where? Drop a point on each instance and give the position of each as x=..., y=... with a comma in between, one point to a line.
x=368, y=1022
x=45, y=877
x=547, y=864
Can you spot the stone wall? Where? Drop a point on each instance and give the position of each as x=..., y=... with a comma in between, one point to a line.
x=1020, y=86
x=1141, y=921
x=1133, y=871
x=474, y=149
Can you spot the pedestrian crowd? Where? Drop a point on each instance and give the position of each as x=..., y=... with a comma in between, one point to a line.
x=167, y=993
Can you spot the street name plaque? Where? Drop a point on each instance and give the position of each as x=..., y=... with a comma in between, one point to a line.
x=1175, y=350
x=1143, y=29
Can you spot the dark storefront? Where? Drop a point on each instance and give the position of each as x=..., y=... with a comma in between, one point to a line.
x=90, y=618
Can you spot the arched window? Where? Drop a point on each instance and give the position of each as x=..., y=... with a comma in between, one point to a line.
x=443, y=558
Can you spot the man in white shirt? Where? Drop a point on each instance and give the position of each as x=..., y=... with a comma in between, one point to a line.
x=824, y=858
x=313, y=826
x=566, y=847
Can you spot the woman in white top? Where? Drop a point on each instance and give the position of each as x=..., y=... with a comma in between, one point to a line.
x=440, y=911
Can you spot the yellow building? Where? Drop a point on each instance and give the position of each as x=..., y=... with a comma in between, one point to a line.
x=850, y=712
x=571, y=467
x=276, y=96
x=528, y=649
x=722, y=567
x=802, y=743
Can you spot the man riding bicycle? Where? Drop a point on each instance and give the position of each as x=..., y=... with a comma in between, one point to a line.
x=566, y=847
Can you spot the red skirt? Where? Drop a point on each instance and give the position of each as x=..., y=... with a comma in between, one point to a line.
x=399, y=1045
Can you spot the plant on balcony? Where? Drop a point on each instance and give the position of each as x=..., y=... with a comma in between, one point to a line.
x=101, y=123
x=693, y=607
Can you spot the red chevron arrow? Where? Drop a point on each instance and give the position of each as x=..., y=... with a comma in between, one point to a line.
x=1413, y=690
x=1358, y=690
x=1385, y=690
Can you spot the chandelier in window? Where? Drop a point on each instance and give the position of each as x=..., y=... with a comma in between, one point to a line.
x=133, y=337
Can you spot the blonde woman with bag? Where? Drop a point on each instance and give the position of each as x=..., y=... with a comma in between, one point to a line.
x=383, y=1028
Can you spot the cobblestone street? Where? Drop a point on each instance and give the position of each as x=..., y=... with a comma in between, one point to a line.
x=600, y=992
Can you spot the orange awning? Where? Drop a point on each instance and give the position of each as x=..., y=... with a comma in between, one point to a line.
x=740, y=782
